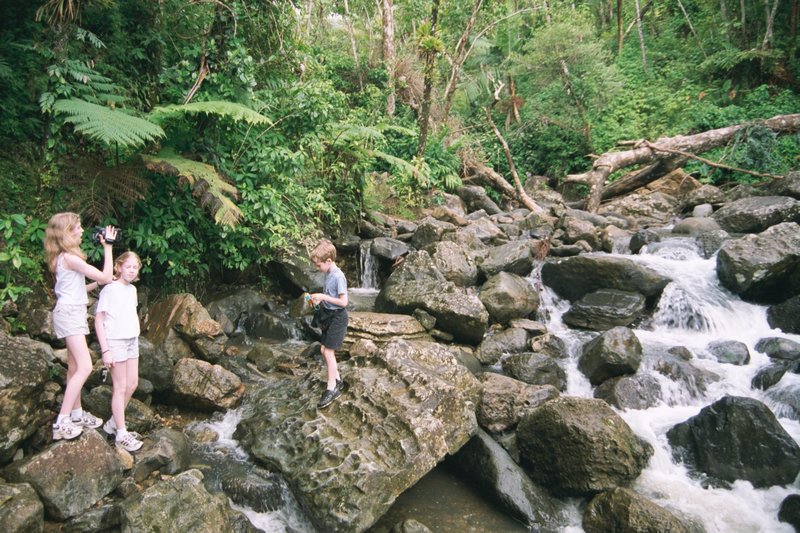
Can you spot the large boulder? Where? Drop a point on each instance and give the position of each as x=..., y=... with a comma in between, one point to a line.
x=578, y=447
x=617, y=352
x=737, y=438
x=508, y=341
x=622, y=510
x=70, y=476
x=515, y=257
x=180, y=317
x=605, y=309
x=166, y=450
x=640, y=391
x=507, y=296
x=201, y=385
x=490, y=467
x=382, y=328
x=475, y=199
x=785, y=315
x=21, y=511
x=408, y=405
x=535, y=369
x=230, y=308
x=455, y=263
x=417, y=283
x=23, y=374
x=763, y=268
x=757, y=213
x=574, y=277
x=505, y=400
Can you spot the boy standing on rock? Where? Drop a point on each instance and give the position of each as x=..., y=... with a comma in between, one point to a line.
x=331, y=315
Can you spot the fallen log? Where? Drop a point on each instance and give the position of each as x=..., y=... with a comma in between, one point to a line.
x=663, y=154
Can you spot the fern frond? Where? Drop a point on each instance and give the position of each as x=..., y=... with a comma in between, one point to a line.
x=107, y=125
x=356, y=133
x=236, y=111
x=399, y=129
x=207, y=184
x=402, y=164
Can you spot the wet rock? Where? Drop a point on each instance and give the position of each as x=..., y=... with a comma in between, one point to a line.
x=508, y=296
x=407, y=406
x=536, y=369
x=755, y=214
x=790, y=511
x=605, y=309
x=695, y=381
x=574, y=277
x=430, y=231
x=695, y=226
x=779, y=348
x=156, y=363
x=578, y=447
x=551, y=345
x=180, y=317
x=489, y=466
x=381, y=328
x=785, y=400
x=21, y=511
x=576, y=230
x=296, y=268
x=388, y=249
x=515, y=257
x=630, y=392
x=505, y=400
x=204, y=386
x=616, y=240
x=23, y=374
x=410, y=526
x=785, y=315
x=138, y=416
x=710, y=242
x=622, y=510
x=165, y=450
x=475, y=198
x=255, y=491
x=70, y=476
x=229, y=309
x=729, y=352
x=737, y=438
x=769, y=375
x=492, y=348
x=616, y=352
x=179, y=503
x=103, y=518
x=763, y=268
x=642, y=238
x=455, y=263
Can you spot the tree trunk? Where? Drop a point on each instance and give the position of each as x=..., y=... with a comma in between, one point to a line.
x=641, y=35
x=458, y=60
x=351, y=34
x=691, y=28
x=645, y=153
x=389, y=54
x=770, y=14
x=430, y=64
x=619, y=27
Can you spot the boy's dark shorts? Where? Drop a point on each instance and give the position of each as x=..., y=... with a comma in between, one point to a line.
x=333, y=324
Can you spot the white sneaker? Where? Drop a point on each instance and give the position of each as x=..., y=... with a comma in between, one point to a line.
x=66, y=430
x=88, y=420
x=129, y=442
x=110, y=428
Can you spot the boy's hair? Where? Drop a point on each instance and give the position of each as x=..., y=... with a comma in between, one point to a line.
x=323, y=251
x=119, y=261
x=58, y=238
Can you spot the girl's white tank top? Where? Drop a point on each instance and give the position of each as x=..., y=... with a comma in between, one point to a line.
x=70, y=285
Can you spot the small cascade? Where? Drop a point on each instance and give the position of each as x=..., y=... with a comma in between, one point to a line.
x=367, y=266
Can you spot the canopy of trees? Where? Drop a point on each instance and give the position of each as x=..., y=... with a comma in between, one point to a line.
x=218, y=134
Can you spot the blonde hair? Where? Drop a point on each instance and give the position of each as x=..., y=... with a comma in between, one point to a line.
x=58, y=238
x=323, y=251
x=119, y=261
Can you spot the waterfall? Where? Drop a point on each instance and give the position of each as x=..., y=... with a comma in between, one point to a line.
x=694, y=310
x=368, y=266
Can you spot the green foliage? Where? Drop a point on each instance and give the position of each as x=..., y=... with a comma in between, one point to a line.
x=20, y=255
x=235, y=111
x=106, y=125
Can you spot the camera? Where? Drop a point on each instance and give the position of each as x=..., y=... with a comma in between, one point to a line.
x=97, y=231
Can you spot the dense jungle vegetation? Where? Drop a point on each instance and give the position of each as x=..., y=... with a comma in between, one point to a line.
x=218, y=133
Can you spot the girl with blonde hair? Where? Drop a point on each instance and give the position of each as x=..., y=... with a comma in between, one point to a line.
x=62, y=246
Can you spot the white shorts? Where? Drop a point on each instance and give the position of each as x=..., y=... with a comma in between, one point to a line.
x=69, y=320
x=123, y=349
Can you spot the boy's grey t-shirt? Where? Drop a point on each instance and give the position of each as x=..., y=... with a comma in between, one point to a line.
x=334, y=285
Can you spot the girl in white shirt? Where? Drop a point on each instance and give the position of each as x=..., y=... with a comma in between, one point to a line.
x=62, y=246
x=117, y=326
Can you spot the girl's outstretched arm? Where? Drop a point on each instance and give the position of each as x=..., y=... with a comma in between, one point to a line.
x=101, y=276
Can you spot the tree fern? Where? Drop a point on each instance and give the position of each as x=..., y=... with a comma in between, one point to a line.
x=236, y=111
x=207, y=184
x=106, y=125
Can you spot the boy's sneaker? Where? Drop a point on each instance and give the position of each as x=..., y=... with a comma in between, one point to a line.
x=88, y=420
x=328, y=396
x=342, y=385
x=129, y=442
x=66, y=430
x=110, y=428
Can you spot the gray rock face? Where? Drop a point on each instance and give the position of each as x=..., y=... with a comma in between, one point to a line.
x=20, y=511
x=165, y=450
x=536, y=369
x=730, y=352
x=298, y=270
x=737, y=438
x=578, y=447
x=475, y=198
x=515, y=257
x=507, y=296
x=70, y=476
x=430, y=231
x=163, y=506
x=695, y=226
x=785, y=315
x=622, y=510
x=605, y=309
x=779, y=348
x=505, y=400
x=205, y=386
x=694, y=380
x=489, y=466
x=155, y=363
x=754, y=214
x=617, y=352
x=381, y=328
x=387, y=248
x=763, y=268
x=492, y=348
x=574, y=277
x=407, y=406
x=23, y=373
x=180, y=318
x=455, y=263
x=630, y=392
x=229, y=309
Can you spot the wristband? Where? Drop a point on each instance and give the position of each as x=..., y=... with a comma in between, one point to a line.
x=105, y=351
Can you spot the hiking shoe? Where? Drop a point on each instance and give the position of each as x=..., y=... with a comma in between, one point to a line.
x=342, y=385
x=66, y=430
x=88, y=420
x=110, y=428
x=129, y=442
x=328, y=396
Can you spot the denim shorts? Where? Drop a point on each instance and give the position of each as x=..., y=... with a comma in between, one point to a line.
x=123, y=349
x=69, y=320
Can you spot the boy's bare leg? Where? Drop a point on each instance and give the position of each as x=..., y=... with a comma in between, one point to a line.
x=333, y=369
